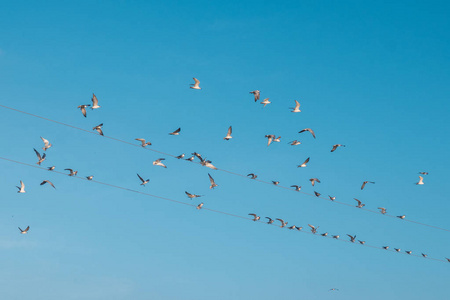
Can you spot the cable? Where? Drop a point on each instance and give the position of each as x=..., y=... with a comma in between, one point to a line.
x=203, y=208
x=223, y=170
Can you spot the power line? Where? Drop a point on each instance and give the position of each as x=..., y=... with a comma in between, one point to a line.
x=223, y=170
x=204, y=208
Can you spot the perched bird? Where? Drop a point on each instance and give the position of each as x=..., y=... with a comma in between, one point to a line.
x=314, y=180
x=423, y=173
x=99, y=129
x=362, y=242
x=309, y=130
x=143, y=142
x=255, y=217
x=256, y=93
x=24, y=231
x=420, y=181
x=294, y=143
x=176, y=132
x=276, y=182
x=190, y=158
x=297, y=187
x=317, y=194
x=382, y=210
x=46, y=144
x=283, y=223
x=336, y=237
x=324, y=234
x=409, y=252
x=364, y=184
x=265, y=102
x=83, y=108
x=89, y=177
x=49, y=182
x=213, y=183
x=200, y=206
x=360, y=204
x=192, y=196
x=270, y=138
x=159, y=163
x=51, y=168
x=228, y=134
x=398, y=250
x=40, y=158
x=21, y=188
x=196, y=85
x=424, y=255
x=270, y=220
x=313, y=228
x=252, y=176
x=448, y=259
x=180, y=156
x=303, y=165
x=401, y=217
x=144, y=182
x=299, y=228
x=94, y=102
x=332, y=198
x=71, y=172
x=292, y=227
x=296, y=109
x=385, y=247
x=333, y=289
x=352, y=238
x=336, y=146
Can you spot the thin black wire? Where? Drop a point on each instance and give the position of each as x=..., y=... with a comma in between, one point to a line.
x=204, y=208
x=223, y=170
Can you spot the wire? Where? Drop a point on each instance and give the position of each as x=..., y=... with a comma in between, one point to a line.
x=224, y=170
x=203, y=208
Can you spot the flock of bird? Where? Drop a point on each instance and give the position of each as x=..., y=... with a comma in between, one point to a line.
x=204, y=162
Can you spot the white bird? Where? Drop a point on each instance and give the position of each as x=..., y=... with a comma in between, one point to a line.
x=196, y=85
x=99, y=128
x=200, y=206
x=143, y=142
x=24, y=231
x=192, y=196
x=21, y=188
x=72, y=172
x=41, y=158
x=252, y=176
x=46, y=144
x=360, y=204
x=144, y=182
x=256, y=93
x=283, y=223
x=94, y=102
x=420, y=180
x=255, y=217
x=309, y=130
x=314, y=180
x=265, y=102
x=270, y=220
x=366, y=182
x=294, y=143
x=180, y=156
x=297, y=187
x=176, y=132
x=49, y=182
x=51, y=168
x=159, y=163
x=89, y=177
x=213, y=183
x=313, y=228
x=382, y=210
x=228, y=134
x=83, y=108
x=336, y=146
x=296, y=109
x=303, y=165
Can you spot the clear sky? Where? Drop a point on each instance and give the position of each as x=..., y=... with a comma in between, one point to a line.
x=372, y=75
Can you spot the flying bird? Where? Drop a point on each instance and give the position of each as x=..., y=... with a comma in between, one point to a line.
x=294, y=143
x=143, y=142
x=99, y=129
x=46, y=144
x=297, y=187
x=49, y=182
x=213, y=183
x=255, y=217
x=336, y=146
x=382, y=210
x=314, y=180
x=366, y=182
x=200, y=206
x=94, y=102
x=208, y=164
x=270, y=220
x=252, y=176
x=71, y=172
x=420, y=181
x=228, y=134
x=296, y=109
x=270, y=138
x=40, y=158
x=360, y=204
x=265, y=102
x=144, y=182
x=192, y=196
x=283, y=223
x=196, y=85
x=24, y=231
x=180, y=156
x=313, y=228
x=21, y=188
x=256, y=93
x=352, y=238
x=83, y=108
x=309, y=130
x=176, y=132
x=303, y=165
x=159, y=163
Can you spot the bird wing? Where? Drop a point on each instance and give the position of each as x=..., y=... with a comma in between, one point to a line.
x=297, y=104
x=229, y=131
x=178, y=130
x=363, y=185
x=312, y=132
x=49, y=182
x=211, y=179
x=22, y=185
x=252, y=215
x=94, y=100
x=311, y=226
x=359, y=202
x=26, y=229
x=83, y=111
x=140, y=177
x=306, y=161
x=334, y=148
x=197, y=82
x=45, y=141
x=39, y=155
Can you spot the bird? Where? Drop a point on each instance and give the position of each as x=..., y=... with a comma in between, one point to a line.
x=364, y=184
x=208, y=164
x=21, y=188
x=198, y=155
x=314, y=180
x=333, y=289
x=49, y=182
x=159, y=163
x=397, y=249
x=72, y=172
x=420, y=181
x=317, y=194
x=46, y=144
x=24, y=231
x=324, y=234
x=362, y=242
x=265, y=102
x=303, y=165
x=313, y=228
x=409, y=252
x=297, y=187
x=332, y=198
x=352, y=238
x=309, y=130
x=385, y=247
x=276, y=182
x=89, y=177
x=196, y=85
x=336, y=237
x=294, y=143
x=401, y=217
x=296, y=109
x=283, y=223
x=40, y=158
x=192, y=196
x=143, y=142
x=94, y=102
x=83, y=108
x=255, y=217
x=448, y=259
x=277, y=139
x=228, y=137
x=213, y=183
x=360, y=204
x=51, y=168
x=176, y=132
x=382, y=210
x=423, y=173
x=252, y=176
x=190, y=158
x=256, y=93
x=270, y=220
x=292, y=227
x=299, y=228
x=144, y=182
x=200, y=206
x=424, y=255
x=180, y=156
x=270, y=138
x=336, y=146
x=98, y=128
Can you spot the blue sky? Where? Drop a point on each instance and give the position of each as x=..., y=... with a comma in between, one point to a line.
x=371, y=75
